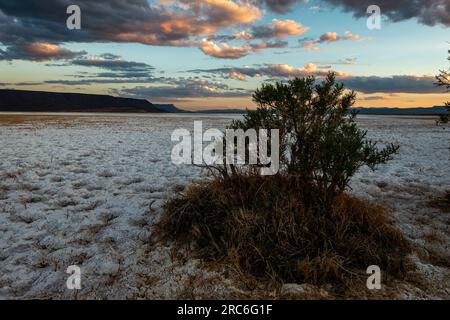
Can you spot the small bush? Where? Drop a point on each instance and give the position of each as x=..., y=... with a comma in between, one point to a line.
x=442, y=202
x=262, y=225
x=443, y=80
x=319, y=137
x=298, y=225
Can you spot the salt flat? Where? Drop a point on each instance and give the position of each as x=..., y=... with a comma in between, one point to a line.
x=79, y=189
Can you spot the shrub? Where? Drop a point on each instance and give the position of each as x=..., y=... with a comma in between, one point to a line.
x=443, y=80
x=262, y=226
x=298, y=225
x=319, y=139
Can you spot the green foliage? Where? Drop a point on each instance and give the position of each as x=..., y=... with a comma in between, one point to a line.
x=319, y=138
x=443, y=80
x=445, y=118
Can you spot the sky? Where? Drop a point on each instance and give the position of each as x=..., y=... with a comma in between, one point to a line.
x=204, y=54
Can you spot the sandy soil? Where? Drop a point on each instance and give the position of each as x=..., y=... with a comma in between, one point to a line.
x=86, y=190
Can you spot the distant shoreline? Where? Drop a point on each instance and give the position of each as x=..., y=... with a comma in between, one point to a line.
x=19, y=114
x=56, y=102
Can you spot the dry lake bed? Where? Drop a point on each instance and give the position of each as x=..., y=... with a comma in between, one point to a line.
x=87, y=189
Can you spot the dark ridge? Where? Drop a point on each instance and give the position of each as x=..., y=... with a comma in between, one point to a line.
x=170, y=108
x=223, y=111
x=38, y=101
x=433, y=111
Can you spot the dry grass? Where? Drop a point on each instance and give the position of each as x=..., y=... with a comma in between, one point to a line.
x=14, y=175
x=267, y=229
x=28, y=187
x=29, y=199
x=442, y=203
x=65, y=202
x=131, y=181
x=435, y=236
x=91, y=205
x=79, y=184
x=106, y=174
x=57, y=179
x=4, y=189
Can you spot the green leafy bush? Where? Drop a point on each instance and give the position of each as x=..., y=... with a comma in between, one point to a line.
x=443, y=80
x=319, y=137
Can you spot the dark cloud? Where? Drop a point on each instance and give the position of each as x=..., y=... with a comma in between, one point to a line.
x=88, y=82
x=35, y=20
x=280, y=6
x=266, y=70
x=269, y=45
x=113, y=63
x=182, y=23
x=38, y=52
x=329, y=37
x=117, y=68
x=394, y=84
x=278, y=29
x=84, y=82
x=428, y=12
x=182, y=89
x=135, y=21
x=373, y=98
x=369, y=84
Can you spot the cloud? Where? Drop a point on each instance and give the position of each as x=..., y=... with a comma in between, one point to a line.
x=181, y=89
x=347, y=61
x=182, y=23
x=269, y=45
x=217, y=45
x=224, y=50
x=279, y=29
x=393, y=84
x=169, y=23
x=328, y=38
x=116, y=70
x=428, y=12
x=280, y=6
x=364, y=84
x=175, y=23
x=372, y=98
x=113, y=63
x=266, y=70
x=225, y=12
x=38, y=51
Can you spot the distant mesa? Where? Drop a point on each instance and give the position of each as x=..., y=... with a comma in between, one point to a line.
x=433, y=111
x=170, y=108
x=39, y=101
x=224, y=111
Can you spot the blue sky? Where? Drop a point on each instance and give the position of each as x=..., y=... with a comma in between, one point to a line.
x=391, y=67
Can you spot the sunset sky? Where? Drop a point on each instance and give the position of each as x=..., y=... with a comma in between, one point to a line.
x=214, y=53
